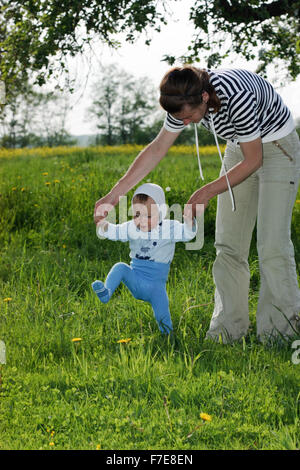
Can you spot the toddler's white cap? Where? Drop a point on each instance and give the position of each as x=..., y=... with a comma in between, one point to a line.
x=157, y=193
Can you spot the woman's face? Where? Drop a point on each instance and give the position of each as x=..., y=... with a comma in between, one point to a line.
x=146, y=215
x=190, y=114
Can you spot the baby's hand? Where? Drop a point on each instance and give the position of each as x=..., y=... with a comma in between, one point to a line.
x=103, y=225
x=188, y=215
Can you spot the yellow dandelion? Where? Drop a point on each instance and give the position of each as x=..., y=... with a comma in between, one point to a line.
x=45, y=173
x=64, y=246
x=56, y=181
x=14, y=188
x=7, y=299
x=76, y=340
x=205, y=417
x=125, y=340
x=47, y=183
x=52, y=433
x=51, y=443
x=22, y=189
x=98, y=447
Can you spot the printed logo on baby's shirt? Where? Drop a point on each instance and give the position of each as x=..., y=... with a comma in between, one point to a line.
x=142, y=257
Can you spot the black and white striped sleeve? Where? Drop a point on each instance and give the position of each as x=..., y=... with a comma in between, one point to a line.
x=242, y=110
x=173, y=125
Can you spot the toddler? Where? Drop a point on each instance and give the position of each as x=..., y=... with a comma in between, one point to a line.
x=152, y=241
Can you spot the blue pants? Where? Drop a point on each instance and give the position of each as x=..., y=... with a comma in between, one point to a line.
x=146, y=281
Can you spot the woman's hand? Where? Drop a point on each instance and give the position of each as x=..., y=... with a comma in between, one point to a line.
x=198, y=202
x=252, y=152
x=103, y=206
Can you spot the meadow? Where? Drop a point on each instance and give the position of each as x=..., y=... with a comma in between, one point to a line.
x=83, y=375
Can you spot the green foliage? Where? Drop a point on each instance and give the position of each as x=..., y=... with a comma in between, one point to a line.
x=35, y=32
x=147, y=393
x=273, y=27
x=36, y=36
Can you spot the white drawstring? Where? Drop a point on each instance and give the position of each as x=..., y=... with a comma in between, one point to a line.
x=222, y=162
x=197, y=148
x=220, y=154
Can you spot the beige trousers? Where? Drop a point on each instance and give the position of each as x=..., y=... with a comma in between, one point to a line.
x=266, y=198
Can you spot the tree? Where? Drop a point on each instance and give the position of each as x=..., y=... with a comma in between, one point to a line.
x=17, y=117
x=271, y=26
x=36, y=36
x=121, y=105
x=34, y=118
x=137, y=107
x=105, y=91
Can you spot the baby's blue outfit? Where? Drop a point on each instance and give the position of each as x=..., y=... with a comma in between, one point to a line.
x=151, y=254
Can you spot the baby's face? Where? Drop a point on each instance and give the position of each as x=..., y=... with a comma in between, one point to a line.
x=145, y=215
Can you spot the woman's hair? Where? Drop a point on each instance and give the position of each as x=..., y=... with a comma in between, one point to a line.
x=184, y=86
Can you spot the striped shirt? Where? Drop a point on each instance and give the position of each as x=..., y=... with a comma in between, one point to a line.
x=250, y=108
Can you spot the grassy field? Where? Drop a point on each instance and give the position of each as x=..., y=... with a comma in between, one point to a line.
x=69, y=383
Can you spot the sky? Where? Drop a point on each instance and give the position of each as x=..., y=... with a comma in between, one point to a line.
x=141, y=60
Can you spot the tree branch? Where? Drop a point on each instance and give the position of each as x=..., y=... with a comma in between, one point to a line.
x=236, y=11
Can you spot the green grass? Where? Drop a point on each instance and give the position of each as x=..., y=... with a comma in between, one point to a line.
x=148, y=393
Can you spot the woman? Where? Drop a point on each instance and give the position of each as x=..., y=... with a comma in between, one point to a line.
x=262, y=164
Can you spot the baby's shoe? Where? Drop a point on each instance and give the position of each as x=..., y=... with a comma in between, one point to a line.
x=101, y=291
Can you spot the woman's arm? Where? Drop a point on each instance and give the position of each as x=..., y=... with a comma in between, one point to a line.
x=252, y=152
x=145, y=162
